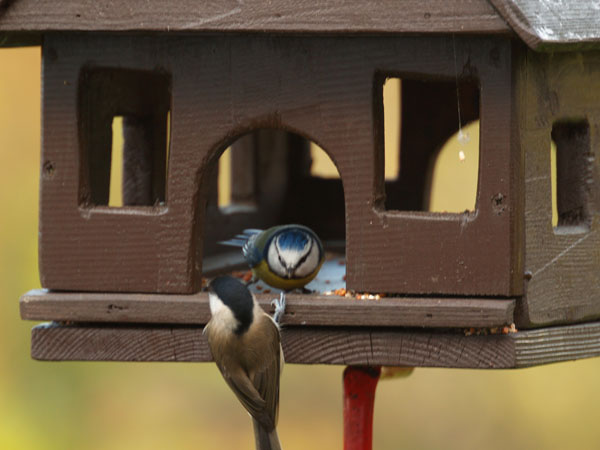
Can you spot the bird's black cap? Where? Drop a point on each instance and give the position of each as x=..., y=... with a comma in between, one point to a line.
x=236, y=296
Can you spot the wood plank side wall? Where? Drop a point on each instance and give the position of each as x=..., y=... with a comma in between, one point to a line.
x=562, y=265
x=321, y=88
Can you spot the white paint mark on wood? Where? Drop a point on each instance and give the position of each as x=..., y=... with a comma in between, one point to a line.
x=562, y=253
x=215, y=18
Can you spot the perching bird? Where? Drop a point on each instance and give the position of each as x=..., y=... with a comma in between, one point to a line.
x=285, y=256
x=246, y=345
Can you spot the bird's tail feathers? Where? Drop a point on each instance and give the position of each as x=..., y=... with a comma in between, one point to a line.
x=251, y=231
x=241, y=239
x=265, y=440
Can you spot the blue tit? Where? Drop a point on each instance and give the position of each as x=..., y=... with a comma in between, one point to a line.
x=246, y=346
x=285, y=256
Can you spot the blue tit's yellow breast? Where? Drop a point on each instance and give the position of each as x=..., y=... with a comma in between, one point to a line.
x=263, y=272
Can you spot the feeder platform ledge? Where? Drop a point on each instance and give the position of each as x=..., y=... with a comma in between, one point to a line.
x=357, y=335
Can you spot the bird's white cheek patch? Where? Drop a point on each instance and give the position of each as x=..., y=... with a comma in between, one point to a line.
x=222, y=317
x=310, y=264
x=215, y=304
x=273, y=261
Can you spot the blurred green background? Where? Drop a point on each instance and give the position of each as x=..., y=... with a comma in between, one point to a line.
x=187, y=406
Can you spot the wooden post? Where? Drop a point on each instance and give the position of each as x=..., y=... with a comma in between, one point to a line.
x=360, y=383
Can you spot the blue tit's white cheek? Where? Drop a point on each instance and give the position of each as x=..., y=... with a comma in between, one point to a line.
x=309, y=265
x=273, y=260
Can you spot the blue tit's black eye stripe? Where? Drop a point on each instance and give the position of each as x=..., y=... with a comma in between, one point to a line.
x=236, y=296
x=305, y=256
x=279, y=257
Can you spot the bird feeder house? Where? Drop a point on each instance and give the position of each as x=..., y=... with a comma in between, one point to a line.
x=190, y=79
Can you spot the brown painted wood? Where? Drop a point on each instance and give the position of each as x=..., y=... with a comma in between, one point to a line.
x=321, y=345
x=305, y=310
x=562, y=265
x=497, y=207
x=451, y=16
x=320, y=88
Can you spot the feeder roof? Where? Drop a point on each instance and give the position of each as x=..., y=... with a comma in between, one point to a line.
x=539, y=23
x=545, y=23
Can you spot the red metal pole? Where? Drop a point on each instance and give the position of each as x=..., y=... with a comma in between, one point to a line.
x=359, y=398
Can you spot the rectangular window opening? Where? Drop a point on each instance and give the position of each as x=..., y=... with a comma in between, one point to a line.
x=430, y=162
x=572, y=164
x=125, y=126
x=115, y=196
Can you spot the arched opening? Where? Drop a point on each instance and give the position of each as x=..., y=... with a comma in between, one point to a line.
x=269, y=177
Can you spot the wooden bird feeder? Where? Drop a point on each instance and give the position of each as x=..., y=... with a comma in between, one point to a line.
x=192, y=78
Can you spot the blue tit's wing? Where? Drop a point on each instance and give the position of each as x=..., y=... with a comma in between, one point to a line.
x=234, y=242
x=247, y=241
x=252, y=251
x=241, y=239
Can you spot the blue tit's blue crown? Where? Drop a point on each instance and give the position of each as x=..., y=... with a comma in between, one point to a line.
x=292, y=239
x=236, y=296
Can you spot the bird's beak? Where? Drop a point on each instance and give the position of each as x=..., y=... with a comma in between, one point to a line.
x=290, y=272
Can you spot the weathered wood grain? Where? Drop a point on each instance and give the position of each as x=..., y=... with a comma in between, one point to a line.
x=548, y=24
x=320, y=88
x=321, y=345
x=562, y=264
x=302, y=310
x=556, y=344
x=452, y=16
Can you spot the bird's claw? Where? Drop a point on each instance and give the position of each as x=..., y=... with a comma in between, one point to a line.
x=279, y=305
